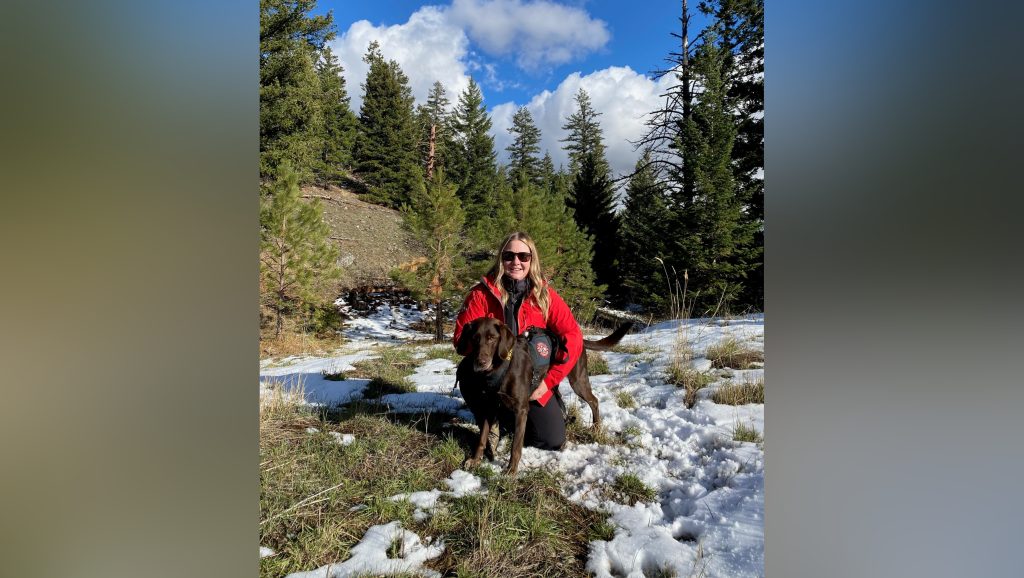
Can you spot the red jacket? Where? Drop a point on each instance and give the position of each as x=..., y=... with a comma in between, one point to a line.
x=484, y=300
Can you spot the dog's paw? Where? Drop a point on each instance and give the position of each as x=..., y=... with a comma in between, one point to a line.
x=470, y=463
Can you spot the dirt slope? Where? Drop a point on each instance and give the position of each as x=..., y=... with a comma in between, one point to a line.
x=371, y=237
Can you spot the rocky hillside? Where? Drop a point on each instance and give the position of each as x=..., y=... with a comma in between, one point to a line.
x=371, y=237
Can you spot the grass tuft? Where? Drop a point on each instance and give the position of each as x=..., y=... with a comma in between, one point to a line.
x=520, y=527
x=729, y=352
x=629, y=489
x=388, y=373
x=580, y=433
x=445, y=352
x=688, y=378
x=297, y=343
x=596, y=364
x=625, y=400
x=743, y=433
x=634, y=348
x=318, y=498
x=751, y=391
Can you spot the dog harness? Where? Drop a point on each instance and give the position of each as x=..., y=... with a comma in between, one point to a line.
x=540, y=344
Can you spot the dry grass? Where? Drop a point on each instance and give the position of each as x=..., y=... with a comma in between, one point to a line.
x=291, y=343
x=310, y=484
x=597, y=364
x=578, y=432
x=625, y=400
x=751, y=391
x=688, y=378
x=729, y=352
x=522, y=527
x=634, y=348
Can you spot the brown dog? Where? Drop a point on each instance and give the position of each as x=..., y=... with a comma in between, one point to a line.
x=497, y=368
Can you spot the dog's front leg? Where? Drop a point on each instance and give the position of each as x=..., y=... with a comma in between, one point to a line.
x=517, y=441
x=485, y=431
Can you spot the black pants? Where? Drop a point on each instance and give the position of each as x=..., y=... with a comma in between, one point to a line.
x=545, y=426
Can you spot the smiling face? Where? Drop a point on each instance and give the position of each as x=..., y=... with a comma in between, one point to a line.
x=516, y=268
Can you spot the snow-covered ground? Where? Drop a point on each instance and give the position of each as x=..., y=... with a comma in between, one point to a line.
x=708, y=515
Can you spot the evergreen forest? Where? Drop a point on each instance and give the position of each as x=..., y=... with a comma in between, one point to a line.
x=681, y=234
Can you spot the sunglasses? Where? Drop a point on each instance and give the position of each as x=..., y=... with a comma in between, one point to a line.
x=509, y=256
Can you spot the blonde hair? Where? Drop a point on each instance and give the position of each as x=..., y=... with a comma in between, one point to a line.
x=538, y=286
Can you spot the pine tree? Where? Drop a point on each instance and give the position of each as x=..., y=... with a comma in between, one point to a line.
x=385, y=153
x=592, y=200
x=435, y=116
x=644, y=235
x=585, y=136
x=525, y=147
x=339, y=121
x=435, y=218
x=474, y=168
x=297, y=261
x=741, y=25
x=716, y=243
x=291, y=111
x=566, y=251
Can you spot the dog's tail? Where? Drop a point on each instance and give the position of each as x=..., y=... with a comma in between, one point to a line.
x=610, y=341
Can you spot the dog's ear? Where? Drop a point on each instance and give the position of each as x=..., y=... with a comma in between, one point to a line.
x=468, y=331
x=506, y=342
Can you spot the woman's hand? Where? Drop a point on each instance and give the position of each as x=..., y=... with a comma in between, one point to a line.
x=539, y=392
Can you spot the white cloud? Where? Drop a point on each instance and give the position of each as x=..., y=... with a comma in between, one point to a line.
x=429, y=48
x=538, y=32
x=622, y=96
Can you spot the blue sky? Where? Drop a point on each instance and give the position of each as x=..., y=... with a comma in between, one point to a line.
x=533, y=53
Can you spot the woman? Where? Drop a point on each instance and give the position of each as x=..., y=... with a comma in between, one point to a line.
x=515, y=291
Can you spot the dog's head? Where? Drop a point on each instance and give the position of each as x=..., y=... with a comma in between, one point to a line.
x=487, y=341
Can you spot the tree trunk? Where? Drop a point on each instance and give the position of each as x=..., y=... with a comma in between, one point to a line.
x=439, y=321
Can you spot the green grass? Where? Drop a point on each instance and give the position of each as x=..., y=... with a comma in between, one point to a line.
x=522, y=526
x=632, y=431
x=333, y=376
x=309, y=483
x=625, y=400
x=629, y=489
x=751, y=391
x=388, y=373
x=444, y=352
x=743, y=433
x=729, y=352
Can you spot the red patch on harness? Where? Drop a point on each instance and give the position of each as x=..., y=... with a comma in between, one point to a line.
x=543, y=349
